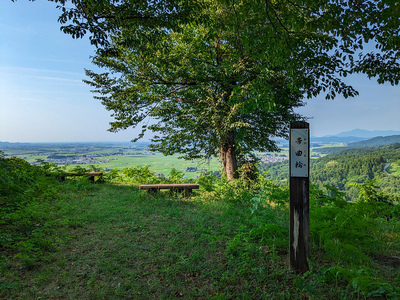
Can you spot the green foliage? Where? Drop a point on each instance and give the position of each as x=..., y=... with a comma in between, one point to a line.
x=207, y=182
x=111, y=175
x=235, y=192
x=330, y=197
x=223, y=77
x=272, y=194
x=270, y=238
x=262, y=230
x=138, y=175
x=352, y=234
x=361, y=281
x=204, y=103
x=345, y=169
x=79, y=169
x=339, y=170
x=51, y=168
x=175, y=176
x=98, y=19
x=368, y=192
x=28, y=215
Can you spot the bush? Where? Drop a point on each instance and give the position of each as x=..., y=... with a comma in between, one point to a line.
x=175, y=176
x=138, y=175
x=27, y=214
x=352, y=234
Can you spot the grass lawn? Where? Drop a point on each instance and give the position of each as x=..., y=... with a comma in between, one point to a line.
x=117, y=242
x=122, y=243
x=125, y=244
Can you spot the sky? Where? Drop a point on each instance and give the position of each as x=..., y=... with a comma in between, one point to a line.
x=43, y=98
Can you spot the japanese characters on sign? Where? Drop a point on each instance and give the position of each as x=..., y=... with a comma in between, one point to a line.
x=299, y=152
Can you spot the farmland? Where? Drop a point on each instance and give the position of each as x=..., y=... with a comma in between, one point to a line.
x=117, y=156
x=107, y=156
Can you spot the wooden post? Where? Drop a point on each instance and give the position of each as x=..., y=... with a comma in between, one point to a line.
x=299, y=167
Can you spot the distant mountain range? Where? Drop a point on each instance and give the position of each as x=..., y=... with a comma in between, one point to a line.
x=376, y=142
x=365, y=133
x=16, y=146
x=353, y=136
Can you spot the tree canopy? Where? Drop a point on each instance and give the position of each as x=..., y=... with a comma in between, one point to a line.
x=223, y=76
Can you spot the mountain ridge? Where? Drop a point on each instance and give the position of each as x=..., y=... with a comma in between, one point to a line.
x=353, y=136
x=362, y=133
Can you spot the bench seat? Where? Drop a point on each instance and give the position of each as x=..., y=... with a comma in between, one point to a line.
x=179, y=187
x=90, y=175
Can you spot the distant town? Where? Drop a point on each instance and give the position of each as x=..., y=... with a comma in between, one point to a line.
x=90, y=159
x=272, y=157
x=93, y=158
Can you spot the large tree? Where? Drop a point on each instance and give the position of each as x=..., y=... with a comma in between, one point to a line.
x=223, y=76
x=210, y=91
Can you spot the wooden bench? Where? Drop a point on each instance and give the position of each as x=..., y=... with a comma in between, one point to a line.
x=185, y=188
x=90, y=175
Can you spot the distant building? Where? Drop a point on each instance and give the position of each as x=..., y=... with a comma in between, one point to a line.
x=217, y=173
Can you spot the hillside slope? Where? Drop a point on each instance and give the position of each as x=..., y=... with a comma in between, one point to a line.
x=227, y=241
x=348, y=166
x=376, y=142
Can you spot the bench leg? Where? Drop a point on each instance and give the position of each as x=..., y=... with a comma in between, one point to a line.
x=188, y=192
x=60, y=178
x=185, y=191
x=153, y=191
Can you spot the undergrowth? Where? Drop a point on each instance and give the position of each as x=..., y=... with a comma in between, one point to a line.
x=28, y=201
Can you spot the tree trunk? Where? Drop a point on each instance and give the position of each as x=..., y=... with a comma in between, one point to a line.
x=228, y=157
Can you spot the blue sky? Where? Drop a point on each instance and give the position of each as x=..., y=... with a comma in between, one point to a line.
x=43, y=98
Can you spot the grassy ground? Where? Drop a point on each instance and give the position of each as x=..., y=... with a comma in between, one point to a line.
x=126, y=244
x=117, y=242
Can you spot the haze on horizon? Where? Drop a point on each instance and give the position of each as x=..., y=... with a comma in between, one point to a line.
x=43, y=98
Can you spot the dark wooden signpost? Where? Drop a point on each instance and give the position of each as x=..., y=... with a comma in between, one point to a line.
x=299, y=162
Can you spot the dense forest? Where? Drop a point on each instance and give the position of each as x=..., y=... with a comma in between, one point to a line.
x=347, y=168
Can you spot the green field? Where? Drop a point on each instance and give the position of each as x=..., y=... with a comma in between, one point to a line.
x=158, y=163
x=133, y=155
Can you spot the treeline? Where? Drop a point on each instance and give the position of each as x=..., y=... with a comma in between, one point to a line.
x=342, y=169
x=376, y=141
x=373, y=143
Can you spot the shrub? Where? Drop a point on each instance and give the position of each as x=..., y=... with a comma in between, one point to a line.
x=27, y=214
x=138, y=175
x=351, y=234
